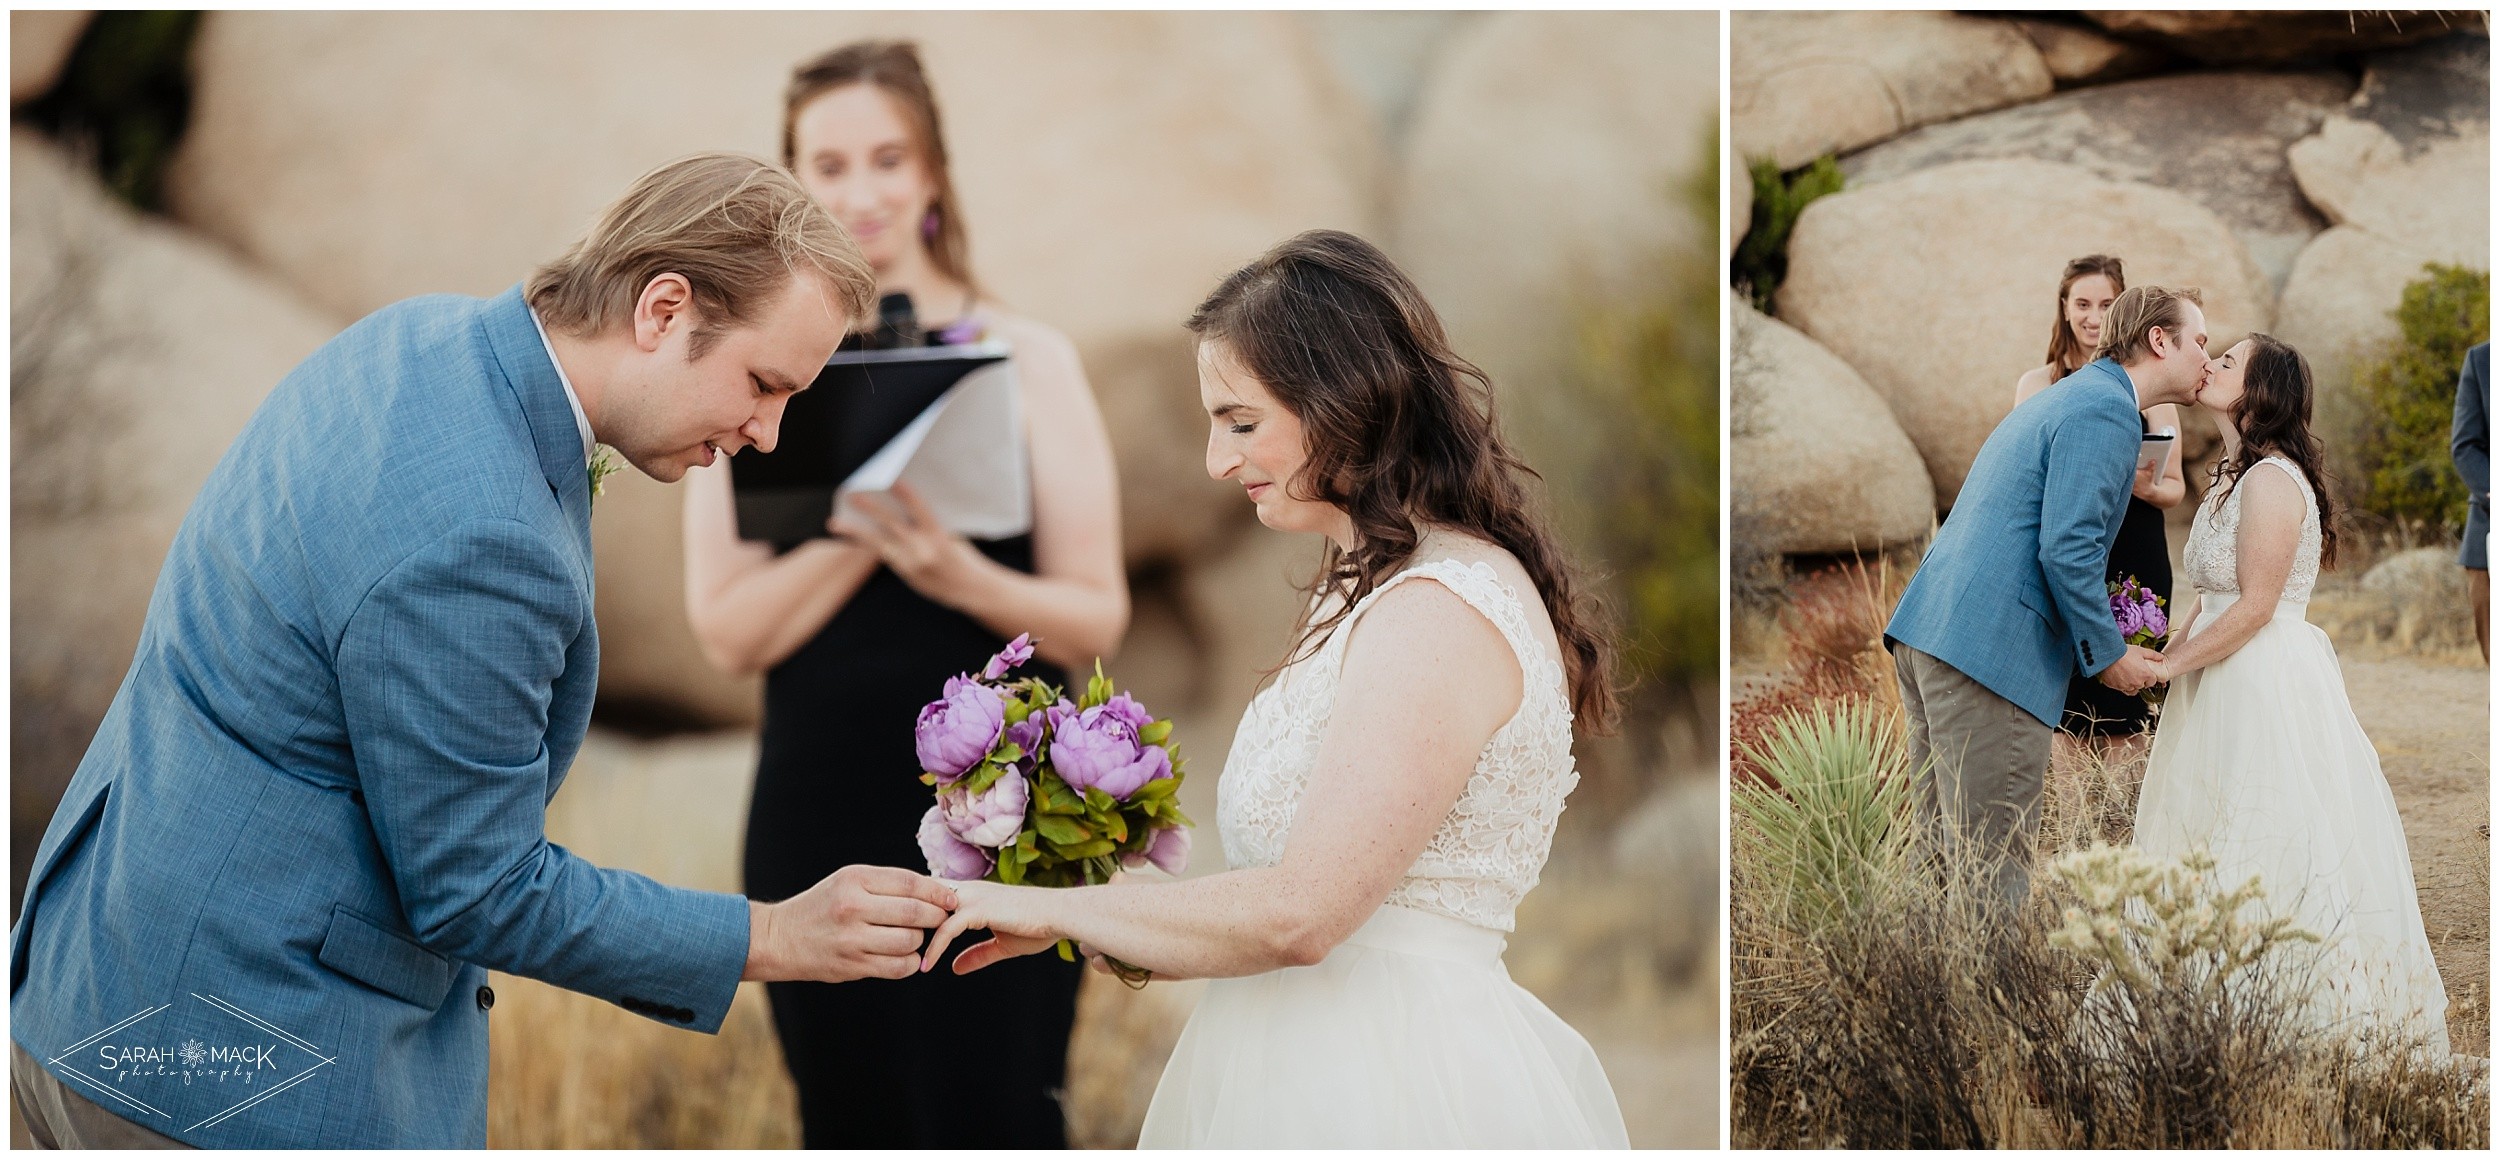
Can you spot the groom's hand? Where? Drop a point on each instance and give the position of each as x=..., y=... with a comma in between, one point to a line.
x=2132, y=672
x=860, y=922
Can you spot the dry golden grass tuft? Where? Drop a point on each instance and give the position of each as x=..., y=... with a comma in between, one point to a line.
x=570, y=1071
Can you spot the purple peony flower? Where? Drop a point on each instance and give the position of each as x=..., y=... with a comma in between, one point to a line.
x=989, y=818
x=949, y=856
x=2156, y=621
x=1167, y=850
x=1017, y=652
x=1127, y=711
x=1027, y=734
x=2130, y=618
x=1096, y=749
x=954, y=734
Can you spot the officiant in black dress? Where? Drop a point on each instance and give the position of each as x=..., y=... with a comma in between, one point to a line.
x=856, y=631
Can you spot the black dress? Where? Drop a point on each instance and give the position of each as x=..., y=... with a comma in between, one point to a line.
x=936, y=1060
x=2142, y=551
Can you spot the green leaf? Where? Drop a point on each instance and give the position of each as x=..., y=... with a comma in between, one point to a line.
x=1011, y=871
x=1113, y=826
x=1096, y=799
x=1156, y=790
x=1008, y=753
x=1061, y=831
x=1156, y=733
x=1018, y=710
x=1093, y=849
x=981, y=778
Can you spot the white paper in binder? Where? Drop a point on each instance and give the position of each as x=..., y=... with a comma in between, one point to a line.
x=966, y=457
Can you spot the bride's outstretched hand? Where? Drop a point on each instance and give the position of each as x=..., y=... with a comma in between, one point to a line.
x=1016, y=916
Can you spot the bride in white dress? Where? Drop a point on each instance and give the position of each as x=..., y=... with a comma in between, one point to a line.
x=1392, y=793
x=2258, y=758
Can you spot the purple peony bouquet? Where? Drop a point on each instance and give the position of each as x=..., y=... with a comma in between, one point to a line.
x=2141, y=620
x=1034, y=790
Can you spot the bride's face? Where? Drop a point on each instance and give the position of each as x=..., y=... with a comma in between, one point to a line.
x=1255, y=442
x=2226, y=379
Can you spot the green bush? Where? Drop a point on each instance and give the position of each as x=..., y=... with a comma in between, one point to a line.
x=124, y=99
x=2400, y=463
x=1642, y=482
x=1826, y=828
x=1761, y=260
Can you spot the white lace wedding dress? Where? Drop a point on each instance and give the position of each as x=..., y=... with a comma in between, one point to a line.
x=2259, y=760
x=1410, y=1034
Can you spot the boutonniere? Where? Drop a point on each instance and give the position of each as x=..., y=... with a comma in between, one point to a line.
x=603, y=463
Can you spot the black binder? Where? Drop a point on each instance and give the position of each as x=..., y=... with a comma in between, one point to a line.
x=857, y=405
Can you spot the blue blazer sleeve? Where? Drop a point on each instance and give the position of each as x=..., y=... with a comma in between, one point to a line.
x=2089, y=454
x=2469, y=436
x=446, y=670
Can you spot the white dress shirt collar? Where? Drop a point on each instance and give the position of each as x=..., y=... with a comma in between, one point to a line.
x=580, y=419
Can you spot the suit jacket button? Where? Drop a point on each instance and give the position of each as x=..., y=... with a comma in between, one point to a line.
x=486, y=998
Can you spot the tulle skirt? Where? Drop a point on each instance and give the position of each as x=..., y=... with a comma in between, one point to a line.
x=1409, y=1035
x=2259, y=761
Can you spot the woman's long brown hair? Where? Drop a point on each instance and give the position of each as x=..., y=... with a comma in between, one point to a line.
x=1400, y=433
x=2066, y=352
x=2277, y=395
x=893, y=67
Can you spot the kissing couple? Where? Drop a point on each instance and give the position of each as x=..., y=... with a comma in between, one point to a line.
x=2257, y=758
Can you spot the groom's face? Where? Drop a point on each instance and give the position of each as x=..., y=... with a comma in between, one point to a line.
x=690, y=412
x=2179, y=359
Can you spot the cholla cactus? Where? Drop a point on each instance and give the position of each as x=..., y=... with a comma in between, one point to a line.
x=2160, y=924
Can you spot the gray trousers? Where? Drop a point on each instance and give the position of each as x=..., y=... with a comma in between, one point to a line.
x=56, y=1116
x=1979, y=806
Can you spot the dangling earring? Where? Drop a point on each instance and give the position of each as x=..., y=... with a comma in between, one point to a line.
x=929, y=226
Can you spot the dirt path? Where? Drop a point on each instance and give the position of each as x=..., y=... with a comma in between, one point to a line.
x=2430, y=719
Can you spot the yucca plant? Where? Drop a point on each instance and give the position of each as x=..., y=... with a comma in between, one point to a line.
x=1829, y=823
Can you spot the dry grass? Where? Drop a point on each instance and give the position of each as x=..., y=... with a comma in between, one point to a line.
x=2407, y=601
x=1927, y=1020
x=570, y=1071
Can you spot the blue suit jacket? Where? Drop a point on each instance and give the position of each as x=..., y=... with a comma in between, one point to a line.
x=2012, y=592
x=314, y=814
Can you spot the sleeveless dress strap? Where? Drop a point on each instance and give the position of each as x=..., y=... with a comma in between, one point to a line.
x=1479, y=586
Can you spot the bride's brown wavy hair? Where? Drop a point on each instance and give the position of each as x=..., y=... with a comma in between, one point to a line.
x=2277, y=395
x=1399, y=432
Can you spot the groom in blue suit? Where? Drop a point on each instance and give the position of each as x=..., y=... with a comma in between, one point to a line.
x=313, y=817
x=2010, y=599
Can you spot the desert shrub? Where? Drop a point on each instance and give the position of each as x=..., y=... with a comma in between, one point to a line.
x=2133, y=1001
x=1642, y=488
x=1829, y=817
x=2400, y=462
x=124, y=99
x=1761, y=260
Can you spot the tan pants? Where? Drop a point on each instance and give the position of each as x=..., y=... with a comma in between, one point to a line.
x=1979, y=805
x=56, y=1116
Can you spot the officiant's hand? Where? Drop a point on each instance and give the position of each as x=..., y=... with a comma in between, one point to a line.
x=911, y=540
x=2132, y=673
x=859, y=922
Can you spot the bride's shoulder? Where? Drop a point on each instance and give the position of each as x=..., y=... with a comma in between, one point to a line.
x=1444, y=550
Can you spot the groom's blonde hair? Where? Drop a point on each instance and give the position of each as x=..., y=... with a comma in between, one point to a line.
x=737, y=229
x=2127, y=333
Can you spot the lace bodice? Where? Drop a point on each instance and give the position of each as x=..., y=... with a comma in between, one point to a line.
x=2213, y=546
x=1489, y=850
